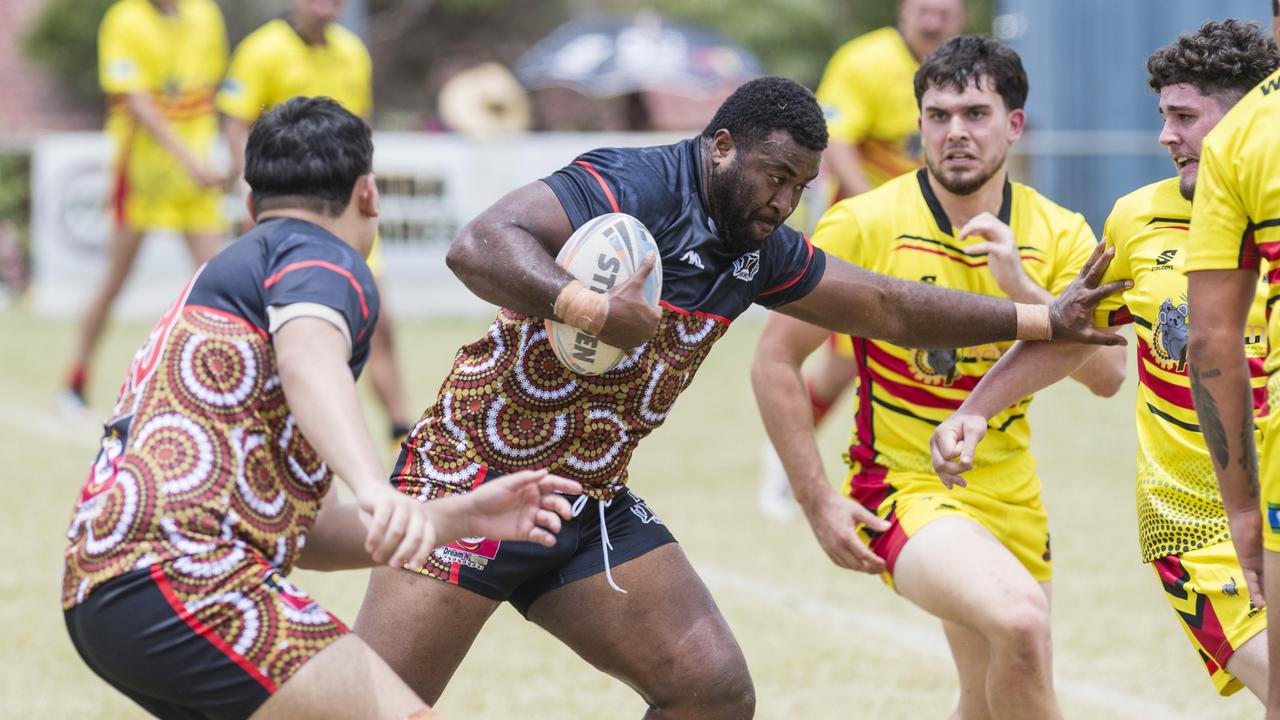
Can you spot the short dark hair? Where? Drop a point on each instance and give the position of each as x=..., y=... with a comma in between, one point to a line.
x=308, y=154
x=1231, y=56
x=761, y=106
x=965, y=60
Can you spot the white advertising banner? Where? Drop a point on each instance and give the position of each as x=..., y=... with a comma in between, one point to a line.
x=430, y=185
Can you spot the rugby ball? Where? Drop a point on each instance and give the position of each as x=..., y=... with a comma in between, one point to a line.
x=604, y=252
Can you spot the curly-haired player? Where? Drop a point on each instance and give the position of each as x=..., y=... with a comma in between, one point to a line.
x=1182, y=523
x=715, y=205
x=232, y=420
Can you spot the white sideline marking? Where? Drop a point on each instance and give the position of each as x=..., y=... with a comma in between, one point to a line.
x=921, y=641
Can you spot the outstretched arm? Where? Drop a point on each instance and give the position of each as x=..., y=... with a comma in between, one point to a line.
x=780, y=393
x=858, y=302
x=311, y=356
x=506, y=256
x=1220, y=388
x=1027, y=368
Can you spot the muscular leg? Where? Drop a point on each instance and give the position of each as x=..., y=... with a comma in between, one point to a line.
x=124, y=249
x=345, y=680
x=970, y=652
x=1271, y=585
x=665, y=637
x=203, y=246
x=1249, y=664
x=956, y=570
x=422, y=627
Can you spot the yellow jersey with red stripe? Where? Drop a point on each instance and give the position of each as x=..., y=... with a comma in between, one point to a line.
x=178, y=60
x=1236, y=218
x=901, y=230
x=1179, y=506
x=273, y=64
x=868, y=95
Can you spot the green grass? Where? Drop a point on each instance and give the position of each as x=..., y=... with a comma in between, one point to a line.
x=822, y=642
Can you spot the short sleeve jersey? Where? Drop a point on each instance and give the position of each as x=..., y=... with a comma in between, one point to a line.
x=901, y=230
x=178, y=60
x=1235, y=221
x=1179, y=506
x=868, y=95
x=510, y=404
x=202, y=452
x=273, y=64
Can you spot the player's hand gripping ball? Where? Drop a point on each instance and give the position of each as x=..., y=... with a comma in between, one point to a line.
x=601, y=254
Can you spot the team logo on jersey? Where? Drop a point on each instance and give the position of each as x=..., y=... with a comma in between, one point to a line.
x=1166, y=257
x=693, y=259
x=1169, y=339
x=473, y=552
x=746, y=267
x=935, y=367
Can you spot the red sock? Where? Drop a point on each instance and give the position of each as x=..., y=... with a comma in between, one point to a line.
x=76, y=380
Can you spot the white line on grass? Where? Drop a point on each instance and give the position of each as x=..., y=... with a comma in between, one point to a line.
x=918, y=640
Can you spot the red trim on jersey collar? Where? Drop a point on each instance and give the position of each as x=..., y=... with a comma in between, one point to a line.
x=364, y=307
x=613, y=203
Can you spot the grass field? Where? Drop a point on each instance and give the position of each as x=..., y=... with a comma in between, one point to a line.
x=822, y=642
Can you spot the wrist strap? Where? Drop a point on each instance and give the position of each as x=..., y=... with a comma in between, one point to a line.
x=579, y=306
x=1033, y=322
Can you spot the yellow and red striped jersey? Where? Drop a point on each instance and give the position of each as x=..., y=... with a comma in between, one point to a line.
x=1179, y=506
x=868, y=95
x=1236, y=218
x=178, y=60
x=901, y=230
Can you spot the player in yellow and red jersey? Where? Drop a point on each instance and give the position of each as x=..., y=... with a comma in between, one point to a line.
x=159, y=63
x=308, y=54
x=976, y=558
x=1182, y=523
x=1235, y=234
x=866, y=96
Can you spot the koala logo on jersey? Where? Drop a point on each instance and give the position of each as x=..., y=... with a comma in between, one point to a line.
x=935, y=367
x=1169, y=340
x=745, y=267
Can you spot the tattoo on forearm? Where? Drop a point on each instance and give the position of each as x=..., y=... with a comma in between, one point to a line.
x=1215, y=435
x=1248, y=452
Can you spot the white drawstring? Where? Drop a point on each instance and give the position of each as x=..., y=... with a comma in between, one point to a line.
x=605, y=545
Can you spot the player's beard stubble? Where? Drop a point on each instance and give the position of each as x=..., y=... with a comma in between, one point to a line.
x=961, y=184
x=730, y=197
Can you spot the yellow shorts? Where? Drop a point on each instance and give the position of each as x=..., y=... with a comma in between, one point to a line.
x=1207, y=592
x=1269, y=468
x=910, y=501
x=188, y=209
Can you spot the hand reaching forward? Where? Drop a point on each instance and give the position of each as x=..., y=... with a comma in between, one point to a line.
x=1071, y=313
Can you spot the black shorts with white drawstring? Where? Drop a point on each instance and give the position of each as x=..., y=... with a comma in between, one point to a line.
x=601, y=536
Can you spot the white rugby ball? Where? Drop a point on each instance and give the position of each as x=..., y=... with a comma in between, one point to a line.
x=604, y=252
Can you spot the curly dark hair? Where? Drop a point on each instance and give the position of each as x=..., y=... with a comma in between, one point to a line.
x=763, y=105
x=1231, y=56
x=966, y=60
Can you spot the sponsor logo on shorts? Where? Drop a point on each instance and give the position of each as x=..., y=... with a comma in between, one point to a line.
x=474, y=552
x=288, y=592
x=642, y=511
x=1273, y=517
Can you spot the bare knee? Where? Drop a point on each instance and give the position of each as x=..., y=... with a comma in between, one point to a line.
x=706, y=677
x=1021, y=631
